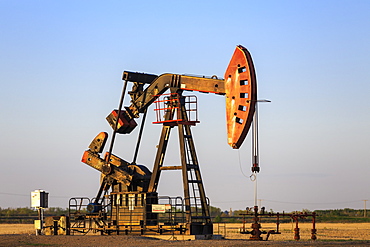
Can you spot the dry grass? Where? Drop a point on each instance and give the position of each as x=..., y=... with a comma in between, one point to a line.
x=17, y=229
x=325, y=231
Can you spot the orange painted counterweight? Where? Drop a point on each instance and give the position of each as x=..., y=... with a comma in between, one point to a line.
x=241, y=96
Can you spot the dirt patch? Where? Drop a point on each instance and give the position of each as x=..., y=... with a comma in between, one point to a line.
x=32, y=240
x=328, y=235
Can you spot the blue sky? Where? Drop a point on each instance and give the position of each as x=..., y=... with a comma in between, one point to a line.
x=61, y=65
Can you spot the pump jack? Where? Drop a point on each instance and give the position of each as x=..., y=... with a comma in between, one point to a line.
x=133, y=201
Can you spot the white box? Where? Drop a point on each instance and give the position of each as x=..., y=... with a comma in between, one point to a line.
x=39, y=199
x=158, y=208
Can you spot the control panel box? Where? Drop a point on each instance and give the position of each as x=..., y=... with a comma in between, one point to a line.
x=39, y=199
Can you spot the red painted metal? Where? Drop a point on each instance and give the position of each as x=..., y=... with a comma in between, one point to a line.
x=241, y=96
x=171, y=102
x=125, y=123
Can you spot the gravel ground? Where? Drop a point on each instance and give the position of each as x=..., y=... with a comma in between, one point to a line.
x=123, y=240
x=329, y=234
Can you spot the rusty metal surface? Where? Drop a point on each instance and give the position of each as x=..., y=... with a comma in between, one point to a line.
x=202, y=84
x=97, y=145
x=130, y=175
x=241, y=96
x=141, y=99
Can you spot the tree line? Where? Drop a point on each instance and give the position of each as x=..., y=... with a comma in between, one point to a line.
x=28, y=215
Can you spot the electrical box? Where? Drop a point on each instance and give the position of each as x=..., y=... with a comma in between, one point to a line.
x=39, y=199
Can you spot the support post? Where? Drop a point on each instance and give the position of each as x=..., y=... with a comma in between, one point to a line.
x=40, y=221
x=365, y=208
x=313, y=231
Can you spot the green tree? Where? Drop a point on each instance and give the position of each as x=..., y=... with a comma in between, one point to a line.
x=217, y=219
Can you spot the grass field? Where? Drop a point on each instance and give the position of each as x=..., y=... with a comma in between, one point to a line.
x=325, y=231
